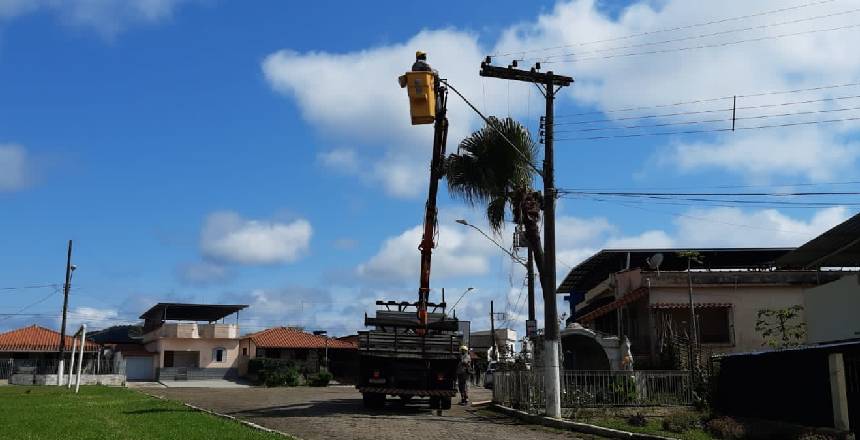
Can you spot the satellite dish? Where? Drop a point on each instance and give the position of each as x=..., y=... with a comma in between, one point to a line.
x=655, y=261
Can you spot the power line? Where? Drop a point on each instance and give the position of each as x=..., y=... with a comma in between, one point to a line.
x=715, y=130
x=37, y=302
x=489, y=124
x=704, y=100
x=712, y=194
x=36, y=286
x=719, y=110
x=703, y=219
x=708, y=46
x=850, y=182
x=548, y=58
x=709, y=121
x=672, y=29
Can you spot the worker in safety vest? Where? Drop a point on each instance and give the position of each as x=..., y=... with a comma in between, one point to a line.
x=464, y=369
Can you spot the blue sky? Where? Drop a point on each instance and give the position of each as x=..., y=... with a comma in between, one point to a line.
x=260, y=152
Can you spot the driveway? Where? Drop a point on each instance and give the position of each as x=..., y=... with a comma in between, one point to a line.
x=337, y=413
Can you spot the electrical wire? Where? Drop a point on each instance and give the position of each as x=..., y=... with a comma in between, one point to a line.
x=709, y=121
x=36, y=286
x=708, y=46
x=4, y=317
x=704, y=100
x=715, y=130
x=547, y=58
x=672, y=29
x=719, y=110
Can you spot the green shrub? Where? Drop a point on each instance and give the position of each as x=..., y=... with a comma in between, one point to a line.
x=320, y=379
x=274, y=372
x=726, y=428
x=681, y=421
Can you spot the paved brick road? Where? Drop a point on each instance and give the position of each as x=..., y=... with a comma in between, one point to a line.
x=337, y=413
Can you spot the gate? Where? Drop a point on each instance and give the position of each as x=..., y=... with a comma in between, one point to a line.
x=5, y=369
x=852, y=382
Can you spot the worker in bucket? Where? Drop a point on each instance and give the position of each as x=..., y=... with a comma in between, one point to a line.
x=464, y=370
x=420, y=64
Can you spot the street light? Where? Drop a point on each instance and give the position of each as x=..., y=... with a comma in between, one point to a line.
x=461, y=297
x=514, y=257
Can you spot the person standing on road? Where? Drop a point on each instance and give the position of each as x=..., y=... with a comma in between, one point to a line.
x=464, y=368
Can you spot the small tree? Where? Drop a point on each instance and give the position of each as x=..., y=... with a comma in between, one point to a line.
x=782, y=327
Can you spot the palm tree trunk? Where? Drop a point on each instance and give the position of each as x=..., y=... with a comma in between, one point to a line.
x=533, y=236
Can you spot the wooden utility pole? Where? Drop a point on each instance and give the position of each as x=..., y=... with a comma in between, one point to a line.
x=66, y=285
x=551, y=83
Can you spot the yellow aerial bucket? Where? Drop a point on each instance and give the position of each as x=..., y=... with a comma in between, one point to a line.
x=421, y=87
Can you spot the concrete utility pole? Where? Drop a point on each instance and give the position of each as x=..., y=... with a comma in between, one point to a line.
x=493, y=332
x=549, y=81
x=62, y=350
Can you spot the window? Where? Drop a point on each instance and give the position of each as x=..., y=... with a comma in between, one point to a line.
x=218, y=355
x=244, y=351
x=714, y=325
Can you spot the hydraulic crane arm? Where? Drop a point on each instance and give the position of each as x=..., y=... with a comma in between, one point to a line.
x=437, y=170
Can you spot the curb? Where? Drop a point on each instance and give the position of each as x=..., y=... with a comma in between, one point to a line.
x=575, y=426
x=229, y=417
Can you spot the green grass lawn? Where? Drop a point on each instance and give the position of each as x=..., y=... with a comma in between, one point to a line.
x=654, y=427
x=50, y=412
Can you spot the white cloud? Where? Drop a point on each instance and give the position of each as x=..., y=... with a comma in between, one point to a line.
x=458, y=254
x=202, y=273
x=808, y=152
x=228, y=237
x=13, y=167
x=94, y=318
x=362, y=103
x=776, y=64
x=108, y=17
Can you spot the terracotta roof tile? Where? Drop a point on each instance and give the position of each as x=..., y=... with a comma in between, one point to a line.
x=36, y=338
x=283, y=337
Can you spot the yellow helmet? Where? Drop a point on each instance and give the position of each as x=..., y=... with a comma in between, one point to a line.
x=464, y=348
x=419, y=55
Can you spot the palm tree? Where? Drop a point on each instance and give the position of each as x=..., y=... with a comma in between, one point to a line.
x=487, y=171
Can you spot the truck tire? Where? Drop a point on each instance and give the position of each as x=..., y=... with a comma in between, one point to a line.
x=446, y=403
x=373, y=400
x=434, y=402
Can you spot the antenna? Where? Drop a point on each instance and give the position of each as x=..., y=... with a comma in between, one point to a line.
x=655, y=261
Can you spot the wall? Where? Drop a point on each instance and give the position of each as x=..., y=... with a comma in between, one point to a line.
x=746, y=302
x=116, y=380
x=831, y=310
x=204, y=346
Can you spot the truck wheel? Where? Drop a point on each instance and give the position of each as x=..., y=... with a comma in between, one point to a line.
x=373, y=400
x=434, y=402
x=446, y=403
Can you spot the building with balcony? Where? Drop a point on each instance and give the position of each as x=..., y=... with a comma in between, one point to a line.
x=189, y=342
x=644, y=295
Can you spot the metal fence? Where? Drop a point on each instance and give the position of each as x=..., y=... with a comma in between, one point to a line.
x=582, y=389
x=8, y=367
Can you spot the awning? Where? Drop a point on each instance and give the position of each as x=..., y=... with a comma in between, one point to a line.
x=623, y=301
x=687, y=305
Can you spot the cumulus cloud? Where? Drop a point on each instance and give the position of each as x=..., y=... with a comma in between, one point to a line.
x=604, y=79
x=108, y=17
x=361, y=102
x=343, y=160
x=458, y=254
x=227, y=237
x=13, y=167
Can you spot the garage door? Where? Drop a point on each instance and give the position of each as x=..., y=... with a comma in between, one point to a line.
x=138, y=368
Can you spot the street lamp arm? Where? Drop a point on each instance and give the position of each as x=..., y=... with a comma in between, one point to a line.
x=514, y=257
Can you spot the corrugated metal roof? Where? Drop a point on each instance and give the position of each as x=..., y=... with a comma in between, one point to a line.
x=599, y=266
x=191, y=312
x=284, y=337
x=36, y=338
x=838, y=247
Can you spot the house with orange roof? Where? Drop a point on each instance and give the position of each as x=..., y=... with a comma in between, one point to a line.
x=308, y=351
x=36, y=349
